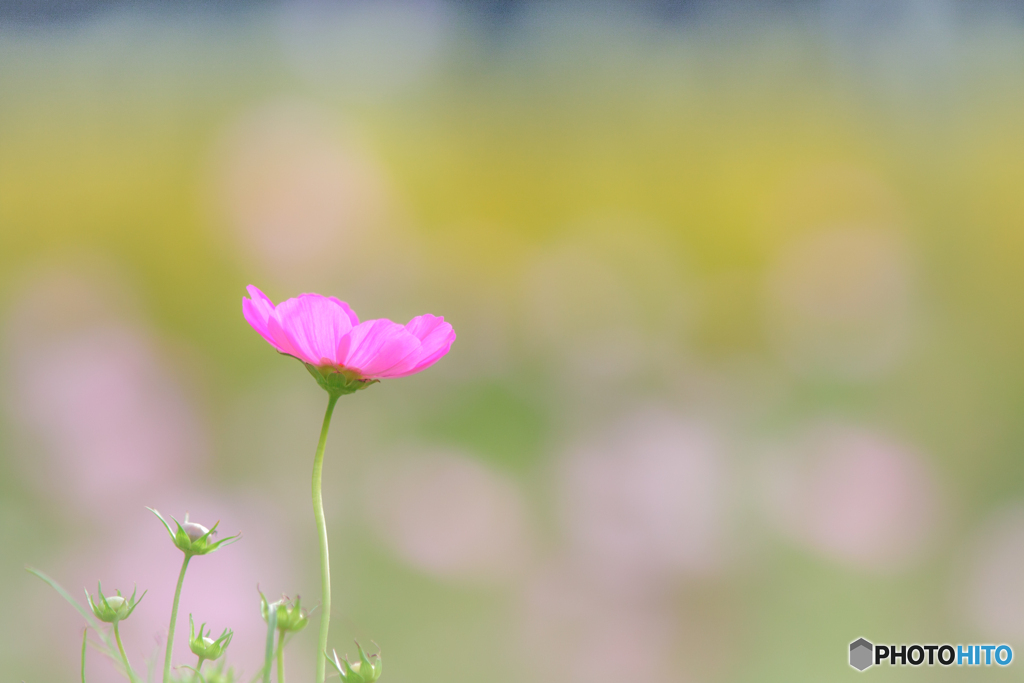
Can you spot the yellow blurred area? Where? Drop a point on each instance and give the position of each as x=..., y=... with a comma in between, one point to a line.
x=738, y=293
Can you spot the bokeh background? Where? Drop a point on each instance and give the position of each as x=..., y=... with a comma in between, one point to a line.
x=738, y=290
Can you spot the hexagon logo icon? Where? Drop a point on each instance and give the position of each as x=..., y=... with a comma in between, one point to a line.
x=861, y=654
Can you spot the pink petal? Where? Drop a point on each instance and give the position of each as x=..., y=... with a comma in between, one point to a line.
x=436, y=337
x=375, y=346
x=353, y=318
x=422, y=325
x=324, y=330
x=283, y=343
x=311, y=326
x=422, y=363
x=257, y=312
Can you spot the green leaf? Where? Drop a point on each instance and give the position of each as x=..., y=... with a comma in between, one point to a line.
x=86, y=614
x=164, y=521
x=108, y=648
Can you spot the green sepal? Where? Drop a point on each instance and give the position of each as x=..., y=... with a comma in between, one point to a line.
x=200, y=546
x=337, y=382
x=204, y=646
x=364, y=662
x=363, y=671
x=290, y=616
x=114, y=608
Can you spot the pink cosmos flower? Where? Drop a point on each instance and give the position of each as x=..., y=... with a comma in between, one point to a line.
x=325, y=333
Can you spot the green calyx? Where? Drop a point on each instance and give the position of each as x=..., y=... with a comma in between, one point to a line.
x=193, y=539
x=114, y=608
x=338, y=382
x=366, y=670
x=290, y=616
x=205, y=647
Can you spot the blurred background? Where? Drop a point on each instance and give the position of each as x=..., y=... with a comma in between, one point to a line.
x=737, y=289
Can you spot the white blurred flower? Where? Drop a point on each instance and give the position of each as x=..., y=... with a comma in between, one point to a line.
x=449, y=515
x=853, y=495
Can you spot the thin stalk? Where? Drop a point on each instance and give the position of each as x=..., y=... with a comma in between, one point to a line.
x=186, y=666
x=325, y=561
x=174, y=619
x=127, y=666
x=85, y=637
x=280, y=657
x=199, y=666
x=268, y=651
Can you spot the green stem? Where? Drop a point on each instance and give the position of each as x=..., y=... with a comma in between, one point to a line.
x=199, y=666
x=280, y=657
x=268, y=650
x=174, y=618
x=85, y=636
x=186, y=666
x=127, y=666
x=325, y=562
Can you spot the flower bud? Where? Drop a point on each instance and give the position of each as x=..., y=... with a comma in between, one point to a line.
x=195, y=531
x=203, y=645
x=366, y=670
x=114, y=608
x=290, y=616
x=192, y=538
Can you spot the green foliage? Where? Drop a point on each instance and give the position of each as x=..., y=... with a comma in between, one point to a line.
x=220, y=674
x=494, y=420
x=105, y=646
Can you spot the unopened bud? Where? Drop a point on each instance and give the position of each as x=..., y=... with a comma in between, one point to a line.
x=203, y=645
x=113, y=608
x=195, y=531
x=366, y=670
x=290, y=616
x=193, y=538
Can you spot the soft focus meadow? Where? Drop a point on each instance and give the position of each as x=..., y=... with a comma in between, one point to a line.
x=740, y=361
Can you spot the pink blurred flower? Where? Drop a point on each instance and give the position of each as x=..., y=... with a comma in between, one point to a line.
x=854, y=495
x=324, y=332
